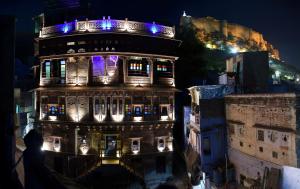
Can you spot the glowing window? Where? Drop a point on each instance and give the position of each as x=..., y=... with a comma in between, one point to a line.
x=62, y=68
x=102, y=106
x=97, y=106
x=162, y=68
x=135, y=146
x=48, y=70
x=147, y=110
x=138, y=67
x=98, y=66
x=53, y=110
x=70, y=43
x=61, y=105
x=148, y=68
x=138, y=111
x=120, y=106
x=128, y=106
x=128, y=109
x=114, y=106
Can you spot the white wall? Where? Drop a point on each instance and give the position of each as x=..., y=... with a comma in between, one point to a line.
x=290, y=178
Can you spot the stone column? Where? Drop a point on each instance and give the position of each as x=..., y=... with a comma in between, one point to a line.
x=125, y=69
x=173, y=72
x=151, y=70
x=90, y=74
x=76, y=141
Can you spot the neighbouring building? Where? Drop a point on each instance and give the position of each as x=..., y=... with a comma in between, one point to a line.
x=207, y=129
x=23, y=110
x=248, y=72
x=106, y=88
x=263, y=136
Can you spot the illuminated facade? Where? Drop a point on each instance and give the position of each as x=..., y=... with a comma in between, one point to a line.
x=106, y=87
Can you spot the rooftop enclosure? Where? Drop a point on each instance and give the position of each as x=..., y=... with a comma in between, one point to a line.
x=243, y=70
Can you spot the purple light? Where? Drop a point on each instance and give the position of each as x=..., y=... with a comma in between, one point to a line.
x=153, y=29
x=106, y=24
x=65, y=28
x=103, y=24
x=114, y=58
x=98, y=65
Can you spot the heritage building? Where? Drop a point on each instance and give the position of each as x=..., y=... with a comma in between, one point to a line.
x=106, y=87
x=263, y=136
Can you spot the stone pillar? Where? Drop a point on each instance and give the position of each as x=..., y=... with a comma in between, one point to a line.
x=173, y=72
x=125, y=69
x=37, y=104
x=41, y=71
x=91, y=108
x=151, y=71
x=121, y=71
x=90, y=74
x=76, y=141
x=72, y=140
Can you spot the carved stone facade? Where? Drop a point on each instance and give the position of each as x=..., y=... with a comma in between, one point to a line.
x=118, y=106
x=263, y=131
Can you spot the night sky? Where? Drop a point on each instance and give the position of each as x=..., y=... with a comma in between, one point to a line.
x=277, y=20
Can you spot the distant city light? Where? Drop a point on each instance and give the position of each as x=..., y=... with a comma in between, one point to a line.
x=277, y=73
x=233, y=50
